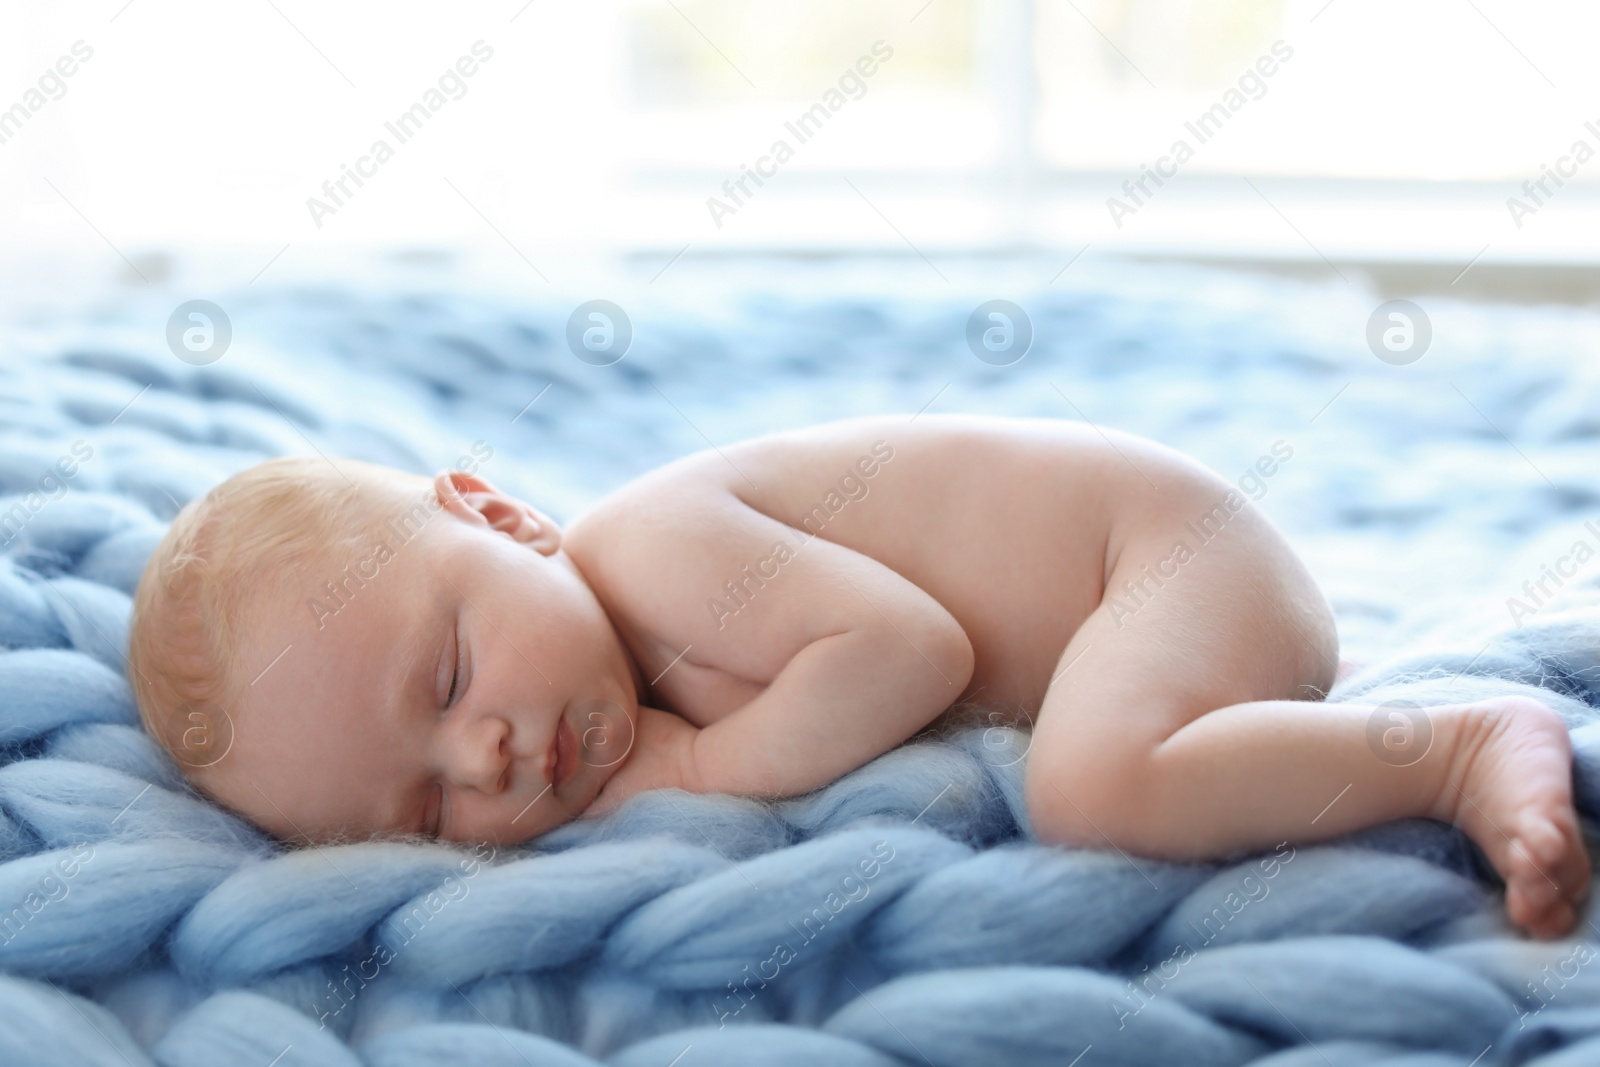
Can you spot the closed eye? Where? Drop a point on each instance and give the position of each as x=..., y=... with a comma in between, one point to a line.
x=455, y=673
x=433, y=815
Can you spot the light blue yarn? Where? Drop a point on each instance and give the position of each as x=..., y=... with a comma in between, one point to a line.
x=44, y=1025
x=191, y=939
x=971, y=1017
x=300, y=906
x=1010, y=905
x=1359, y=1054
x=1565, y=1030
x=1345, y=987
x=62, y=687
x=241, y=1028
x=759, y=902
x=768, y=1044
x=1323, y=891
x=117, y=747
x=25, y=619
x=424, y=1046
x=498, y=934
x=66, y=802
x=121, y=903
x=95, y=618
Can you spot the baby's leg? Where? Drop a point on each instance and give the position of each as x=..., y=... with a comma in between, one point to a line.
x=1185, y=723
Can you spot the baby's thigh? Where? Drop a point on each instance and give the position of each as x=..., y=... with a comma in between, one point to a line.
x=1204, y=608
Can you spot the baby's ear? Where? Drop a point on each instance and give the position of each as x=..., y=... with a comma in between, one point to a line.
x=474, y=500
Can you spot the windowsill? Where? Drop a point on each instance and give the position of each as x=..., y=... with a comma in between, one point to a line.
x=1197, y=216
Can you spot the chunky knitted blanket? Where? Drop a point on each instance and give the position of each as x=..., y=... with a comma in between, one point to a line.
x=902, y=915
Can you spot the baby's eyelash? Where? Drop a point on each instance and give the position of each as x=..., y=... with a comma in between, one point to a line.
x=455, y=673
x=436, y=824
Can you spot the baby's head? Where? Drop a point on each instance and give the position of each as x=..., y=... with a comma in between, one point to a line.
x=336, y=651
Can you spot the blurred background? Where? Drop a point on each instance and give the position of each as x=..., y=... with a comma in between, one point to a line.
x=1360, y=236
x=1202, y=208
x=1349, y=131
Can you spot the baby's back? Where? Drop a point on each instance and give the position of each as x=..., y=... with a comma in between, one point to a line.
x=1010, y=524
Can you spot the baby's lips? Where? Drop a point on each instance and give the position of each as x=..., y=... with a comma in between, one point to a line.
x=565, y=757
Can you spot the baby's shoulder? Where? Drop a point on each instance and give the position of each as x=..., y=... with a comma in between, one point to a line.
x=661, y=502
x=650, y=530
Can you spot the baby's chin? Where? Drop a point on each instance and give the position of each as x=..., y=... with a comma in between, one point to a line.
x=578, y=811
x=520, y=833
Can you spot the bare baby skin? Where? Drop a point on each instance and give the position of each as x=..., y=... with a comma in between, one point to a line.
x=764, y=618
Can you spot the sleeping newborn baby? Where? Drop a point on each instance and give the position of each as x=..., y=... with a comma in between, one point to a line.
x=338, y=651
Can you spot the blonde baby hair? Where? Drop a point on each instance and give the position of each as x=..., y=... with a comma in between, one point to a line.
x=261, y=530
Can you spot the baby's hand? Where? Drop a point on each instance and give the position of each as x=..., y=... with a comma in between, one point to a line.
x=662, y=757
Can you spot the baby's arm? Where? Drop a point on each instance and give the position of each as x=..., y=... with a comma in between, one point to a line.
x=859, y=658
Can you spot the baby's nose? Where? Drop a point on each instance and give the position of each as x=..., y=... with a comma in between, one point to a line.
x=482, y=752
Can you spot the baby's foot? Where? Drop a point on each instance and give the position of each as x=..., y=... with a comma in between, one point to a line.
x=1511, y=791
